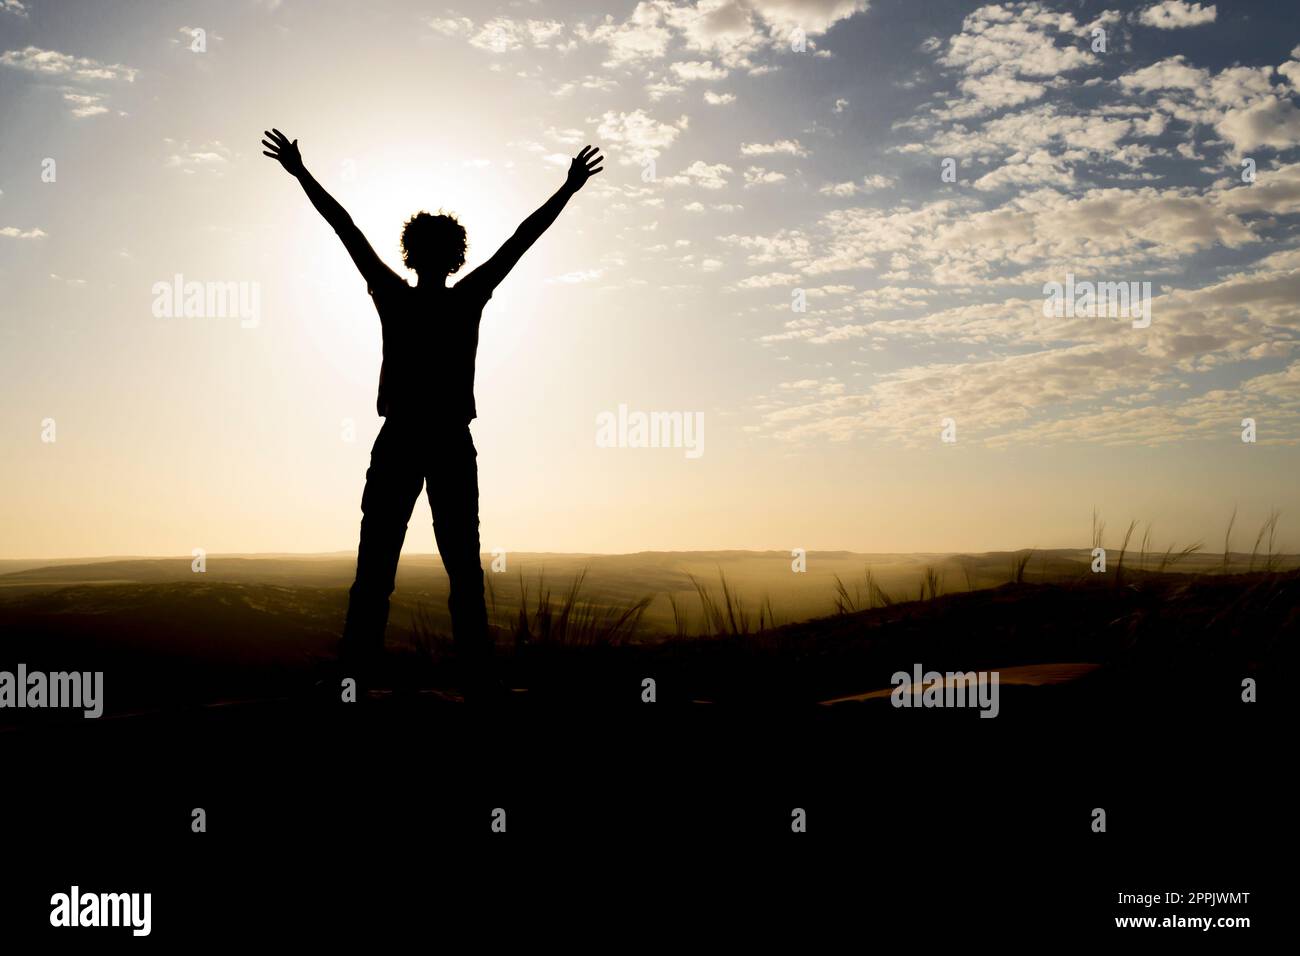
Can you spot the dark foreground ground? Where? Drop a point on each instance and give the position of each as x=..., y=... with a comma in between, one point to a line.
x=375, y=823
x=629, y=823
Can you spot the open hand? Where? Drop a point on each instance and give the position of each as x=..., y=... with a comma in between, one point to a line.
x=583, y=166
x=279, y=148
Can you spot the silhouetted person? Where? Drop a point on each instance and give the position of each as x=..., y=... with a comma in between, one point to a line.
x=426, y=396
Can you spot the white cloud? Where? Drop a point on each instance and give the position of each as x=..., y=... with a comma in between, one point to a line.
x=993, y=91
x=788, y=147
x=757, y=176
x=1005, y=53
x=1269, y=122
x=13, y=232
x=702, y=174
x=1240, y=102
x=1175, y=14
x=642, y=36
x=718, y=99
x=545, y=33
x=699, y=70
x=732, y=32
x=503, y=34
x=500, y=35
x=852, y=188
x=52, y=63
x=84, y=104
x=637, y=136
x=769, y=281
x=1171, y=73
x=1039, y=168
x=450, y=26
x=815, y=17
x=210, y=157
x=786, y=246
x=658, y=90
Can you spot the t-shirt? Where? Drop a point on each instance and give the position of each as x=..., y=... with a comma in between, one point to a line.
x=430, y=343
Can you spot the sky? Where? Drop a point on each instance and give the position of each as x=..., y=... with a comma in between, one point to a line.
x=825, y=227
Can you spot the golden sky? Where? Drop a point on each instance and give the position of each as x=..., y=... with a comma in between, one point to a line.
x=740, y=172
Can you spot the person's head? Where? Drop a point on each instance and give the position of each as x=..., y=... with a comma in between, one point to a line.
x=434, y=246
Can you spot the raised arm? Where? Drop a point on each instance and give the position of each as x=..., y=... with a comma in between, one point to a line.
x=583, y=166
x=363, y=254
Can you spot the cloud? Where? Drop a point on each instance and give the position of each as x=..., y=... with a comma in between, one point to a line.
x=450, y=26
x=644, y=35
x=784, y=247
x=788, y=147
x=661, y=88
x=731, y=32
x=16, y=7
x=1043, y=145
x=1038, y=168
x=545, y=33
x=851, y=188
x=815, y=17
x=1175, y=14
x=1269, y=122
x=768, y=281
x=84, y=104
x=503, y=34
x=1171, y=73
x=718, y=99
x=699, y=70
x=757, y=176
x=13, y=232
x=1047, y=380
x=1240, y=102
x=210, y=157
x=637, y=136
x=1005, y=53
x=52, y=63
x=702, y=174
x=1038, y=233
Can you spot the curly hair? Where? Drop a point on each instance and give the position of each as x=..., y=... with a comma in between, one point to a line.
x=433, y=244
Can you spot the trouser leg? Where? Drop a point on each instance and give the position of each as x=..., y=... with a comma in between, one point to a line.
x=453, y=498
x=393, y=482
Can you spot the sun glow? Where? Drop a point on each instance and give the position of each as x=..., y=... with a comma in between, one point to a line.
x=330, y=296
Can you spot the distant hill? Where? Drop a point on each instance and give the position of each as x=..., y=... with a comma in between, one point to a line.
x=757, y=577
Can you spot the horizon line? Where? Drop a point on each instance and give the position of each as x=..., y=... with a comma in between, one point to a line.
x=602, y=554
